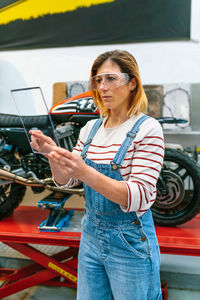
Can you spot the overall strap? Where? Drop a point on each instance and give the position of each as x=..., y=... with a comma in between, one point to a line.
x=119, y=157
x=92, y=133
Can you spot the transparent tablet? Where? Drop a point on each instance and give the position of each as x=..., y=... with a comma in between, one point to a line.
x=33, y=113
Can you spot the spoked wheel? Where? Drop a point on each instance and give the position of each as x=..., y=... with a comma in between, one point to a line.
x=11, y=194
x=10, y=197
x=178, y=190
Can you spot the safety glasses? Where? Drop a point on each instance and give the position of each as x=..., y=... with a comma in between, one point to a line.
x=109, y=80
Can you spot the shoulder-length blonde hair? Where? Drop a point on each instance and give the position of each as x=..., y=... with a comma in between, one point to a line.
x=127, y=64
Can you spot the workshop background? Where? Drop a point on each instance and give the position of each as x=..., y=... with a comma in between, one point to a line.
x=48, y=43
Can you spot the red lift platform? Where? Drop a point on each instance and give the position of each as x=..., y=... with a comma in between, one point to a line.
x=20, y=232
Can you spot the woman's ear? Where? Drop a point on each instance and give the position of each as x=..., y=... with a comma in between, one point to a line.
x=133, y=84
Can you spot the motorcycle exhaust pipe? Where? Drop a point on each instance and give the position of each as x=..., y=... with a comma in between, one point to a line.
x=47, y=183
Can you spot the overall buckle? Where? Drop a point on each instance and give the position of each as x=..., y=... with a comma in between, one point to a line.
x=114, y=166
x=130, y=134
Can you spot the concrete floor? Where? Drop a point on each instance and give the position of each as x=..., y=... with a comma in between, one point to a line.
x=44, y=293
x=52, y=293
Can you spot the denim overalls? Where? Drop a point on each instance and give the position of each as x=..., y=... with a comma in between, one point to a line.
x=119, y=256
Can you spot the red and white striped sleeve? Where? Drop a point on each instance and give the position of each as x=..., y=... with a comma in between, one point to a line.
x=146, y=164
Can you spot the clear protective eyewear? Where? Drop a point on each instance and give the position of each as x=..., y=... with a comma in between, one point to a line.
x=109, y=80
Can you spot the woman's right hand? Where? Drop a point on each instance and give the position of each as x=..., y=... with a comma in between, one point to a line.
x=45, y=145
x=41, y=143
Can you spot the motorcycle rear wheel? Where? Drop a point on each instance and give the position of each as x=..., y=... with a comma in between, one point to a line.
x=11, y=196
x=178, y=190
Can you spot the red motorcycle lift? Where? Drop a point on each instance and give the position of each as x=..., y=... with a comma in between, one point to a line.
x=20, y=230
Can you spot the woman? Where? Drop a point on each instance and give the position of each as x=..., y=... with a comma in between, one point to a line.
x=118, y=158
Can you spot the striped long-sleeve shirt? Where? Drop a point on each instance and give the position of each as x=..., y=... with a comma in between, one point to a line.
x=143, y=161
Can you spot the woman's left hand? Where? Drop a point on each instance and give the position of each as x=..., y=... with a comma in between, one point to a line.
x=73, y=163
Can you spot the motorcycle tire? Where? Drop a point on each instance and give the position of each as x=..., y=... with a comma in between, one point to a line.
x=10, y=197
x=178, y=190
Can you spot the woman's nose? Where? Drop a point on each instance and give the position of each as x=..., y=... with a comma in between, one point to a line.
x=102, y=85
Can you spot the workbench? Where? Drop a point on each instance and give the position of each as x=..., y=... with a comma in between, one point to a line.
x=20, y=232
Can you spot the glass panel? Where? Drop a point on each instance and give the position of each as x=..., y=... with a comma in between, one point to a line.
x=33, y=112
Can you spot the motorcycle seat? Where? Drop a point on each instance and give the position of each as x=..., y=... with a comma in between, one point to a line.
x=7, y=120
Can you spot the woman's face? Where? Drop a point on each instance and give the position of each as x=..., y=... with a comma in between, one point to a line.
x=115, y=97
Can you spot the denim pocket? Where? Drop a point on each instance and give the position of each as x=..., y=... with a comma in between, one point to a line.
x=136, y=243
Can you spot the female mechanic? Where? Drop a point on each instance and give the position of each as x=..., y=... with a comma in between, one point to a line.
x=118, y=158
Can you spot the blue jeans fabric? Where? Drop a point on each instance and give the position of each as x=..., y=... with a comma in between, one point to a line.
x=119, y=255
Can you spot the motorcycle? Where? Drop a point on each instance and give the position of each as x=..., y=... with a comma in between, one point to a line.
x=178, y=187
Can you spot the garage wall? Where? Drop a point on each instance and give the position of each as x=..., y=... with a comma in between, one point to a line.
x=160, y=63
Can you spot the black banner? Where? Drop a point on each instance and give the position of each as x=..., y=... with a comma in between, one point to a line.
x=30, y=24
x=6, y=4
